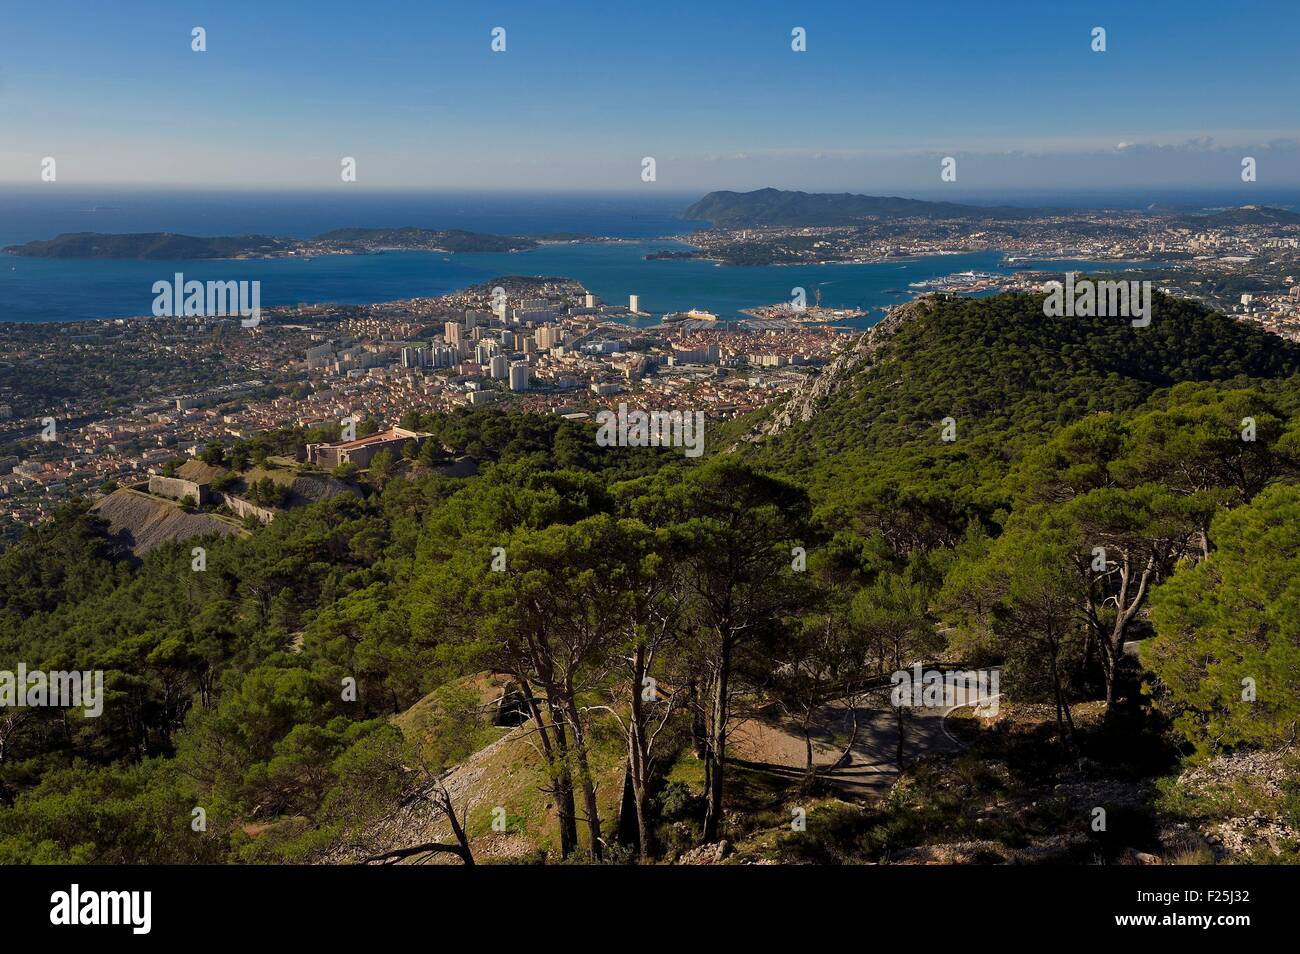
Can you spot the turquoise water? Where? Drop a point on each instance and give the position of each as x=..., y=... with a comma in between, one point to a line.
x=33, y=289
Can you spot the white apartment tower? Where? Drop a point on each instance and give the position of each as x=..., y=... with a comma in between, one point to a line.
x=547, y=337
x=519, y=376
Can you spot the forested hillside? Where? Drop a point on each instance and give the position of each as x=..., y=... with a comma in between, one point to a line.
x=1009, y=377
x=1055, y=496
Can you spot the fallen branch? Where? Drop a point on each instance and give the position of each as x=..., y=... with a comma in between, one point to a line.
x=429, y=847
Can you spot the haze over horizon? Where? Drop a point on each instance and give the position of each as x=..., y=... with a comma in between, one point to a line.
x=720, y=100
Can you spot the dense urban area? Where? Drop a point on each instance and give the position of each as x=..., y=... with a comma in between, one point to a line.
x=86, y=407
x=1242, y=260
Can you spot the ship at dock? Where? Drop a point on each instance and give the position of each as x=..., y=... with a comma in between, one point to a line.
x=956, y=281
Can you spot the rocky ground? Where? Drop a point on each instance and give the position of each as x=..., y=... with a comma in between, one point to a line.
x=1242, y=801
x=814, y=393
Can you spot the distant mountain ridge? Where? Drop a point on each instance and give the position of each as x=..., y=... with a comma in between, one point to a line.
x=170, y=245
x=150, y=245
x=1250, y=215
x=780, y=207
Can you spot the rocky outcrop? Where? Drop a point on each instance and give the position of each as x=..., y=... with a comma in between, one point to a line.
x=713, y=854
x=805, y=402
x=473, y=785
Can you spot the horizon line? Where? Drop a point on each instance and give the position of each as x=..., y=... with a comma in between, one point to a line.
x=871, y=191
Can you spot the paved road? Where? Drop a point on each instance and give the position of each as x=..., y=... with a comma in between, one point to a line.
x=871, y=768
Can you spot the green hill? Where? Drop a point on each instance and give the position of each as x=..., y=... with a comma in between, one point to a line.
x=1010, y=378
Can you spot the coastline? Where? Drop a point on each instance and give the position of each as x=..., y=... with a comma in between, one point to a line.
x=68, y=290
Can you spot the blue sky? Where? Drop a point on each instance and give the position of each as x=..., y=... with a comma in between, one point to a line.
x=713, y=91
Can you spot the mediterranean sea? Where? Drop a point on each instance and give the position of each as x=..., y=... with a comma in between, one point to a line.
x=39, y=289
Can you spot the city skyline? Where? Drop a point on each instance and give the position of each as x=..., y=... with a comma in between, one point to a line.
x=579, y=97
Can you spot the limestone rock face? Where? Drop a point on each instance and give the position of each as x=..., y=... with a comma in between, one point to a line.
x=804, y=403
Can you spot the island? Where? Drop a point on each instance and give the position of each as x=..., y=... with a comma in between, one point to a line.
x=347, y=241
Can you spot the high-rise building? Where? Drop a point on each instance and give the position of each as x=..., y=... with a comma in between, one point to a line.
x=590, y=300
x=548, y=336
x=452, y=332
x=519, y=376
x=443, y=356
x=500, y=367
x=634, y=303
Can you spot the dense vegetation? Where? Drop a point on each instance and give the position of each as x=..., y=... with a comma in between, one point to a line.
x=1106, y=485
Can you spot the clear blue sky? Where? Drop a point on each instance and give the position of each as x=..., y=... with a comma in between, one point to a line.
x=712, y=90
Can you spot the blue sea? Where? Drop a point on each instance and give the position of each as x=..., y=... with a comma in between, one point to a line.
x=33, y=289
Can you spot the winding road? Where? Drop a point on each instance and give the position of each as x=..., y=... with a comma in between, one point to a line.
x=870, y=769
